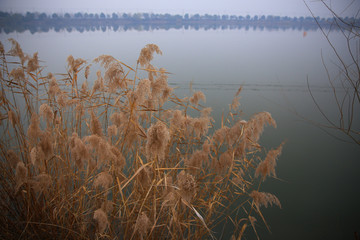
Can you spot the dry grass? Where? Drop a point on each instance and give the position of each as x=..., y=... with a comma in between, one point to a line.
x=123, y=159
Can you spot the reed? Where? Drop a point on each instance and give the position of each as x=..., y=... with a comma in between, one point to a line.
x=123, y=158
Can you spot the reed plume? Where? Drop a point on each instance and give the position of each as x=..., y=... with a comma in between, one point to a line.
x=157, y=139
x=142, y=225
x=18, y=74
x=54, y=88
x=79, y=151
x=264, y=199
x=101, y=220
x=33, y=63
x=34, y=130
x=187, y=185
x=146, y=54
x=95, y=125
x=37, y=156
x=196, y=97
x=46, y=112
x=267, y=166
x=17, y=51
x=104, y=180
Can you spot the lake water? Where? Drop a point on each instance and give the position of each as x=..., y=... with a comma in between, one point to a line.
x=319, y=176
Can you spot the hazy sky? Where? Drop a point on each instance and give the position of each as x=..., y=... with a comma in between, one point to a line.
x=239, y=7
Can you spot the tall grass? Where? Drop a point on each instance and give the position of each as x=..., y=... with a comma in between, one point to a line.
x=123, y=158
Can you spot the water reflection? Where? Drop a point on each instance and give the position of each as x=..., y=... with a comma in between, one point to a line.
x=35, y=22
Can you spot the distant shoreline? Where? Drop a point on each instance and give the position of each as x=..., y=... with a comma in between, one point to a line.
x=42, y=22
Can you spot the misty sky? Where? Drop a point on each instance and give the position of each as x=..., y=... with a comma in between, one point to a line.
x=239, y=7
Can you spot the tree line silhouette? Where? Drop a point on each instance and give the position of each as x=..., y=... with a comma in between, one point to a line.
x=42, y=22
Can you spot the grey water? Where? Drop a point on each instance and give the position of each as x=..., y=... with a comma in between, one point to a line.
x=318, y=176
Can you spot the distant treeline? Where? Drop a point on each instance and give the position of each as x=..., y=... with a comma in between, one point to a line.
x=42, y=22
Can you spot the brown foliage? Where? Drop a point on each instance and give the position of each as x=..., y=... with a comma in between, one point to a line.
x=116, y=160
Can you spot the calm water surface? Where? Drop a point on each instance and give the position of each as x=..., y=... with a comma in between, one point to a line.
x=319, y=176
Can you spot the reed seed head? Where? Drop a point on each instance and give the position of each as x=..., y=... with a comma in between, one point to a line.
x=264, y=199
x=187, y=185
x=37, y=156
x=34, y=130
x=267, y=167
x=46, y=143
x=196, y=161
x=99, y=83
x=112, y=130
x=54, y=88
x=79, y=151
x=62, y=99
x=33, y=63
x=145, y=177
x=158, y=137
x=16, y=51
x=46, y=112
x=143, y=90
x=95, y=125
x=196, y=97
x=101, y=220
x=18, y=74
x=146, y=54
x=104, y=179
x=87, y=71
x=142, y=225
x=225, y=162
